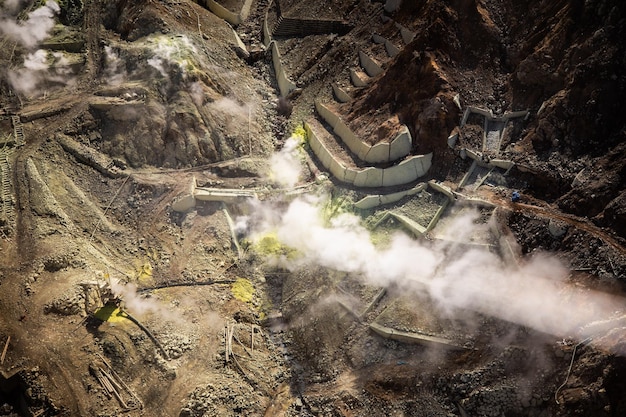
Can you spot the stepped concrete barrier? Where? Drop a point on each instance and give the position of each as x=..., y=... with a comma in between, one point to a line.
x=285, y=85
x=369, y=64
x=392, y=50
x=410, y=337
x=340, y=94
x=405, y=172
x=395, y=150
x=358, y=78
x=372, y=201
x=407, y=35
x=229, y=16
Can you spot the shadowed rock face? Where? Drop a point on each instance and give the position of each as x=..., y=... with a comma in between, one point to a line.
x=561, y=60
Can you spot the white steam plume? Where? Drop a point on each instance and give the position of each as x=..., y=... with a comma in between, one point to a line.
x=114, y=70
x=285, y=165
x=32, y=30
x=534, y=294
x=136, y=304
x=38, y=71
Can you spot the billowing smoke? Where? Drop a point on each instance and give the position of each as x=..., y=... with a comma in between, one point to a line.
x=30, y=32
x=285, y=165
x=534, y=294
x=114, y=70
x=137, y=304
x=171, y=53
x=40, y=68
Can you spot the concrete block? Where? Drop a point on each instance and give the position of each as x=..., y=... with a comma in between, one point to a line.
x=369, y=64
x=401, y=145
x=350, y=175
x=417, y=229
x=328, y=115
x=340, y=94
x=377, y=153
x=501, y=163
x=377, y=38
x=184, y=203
x=369, y=177
x=441, y=189
x=392, y=50
x=358, y=79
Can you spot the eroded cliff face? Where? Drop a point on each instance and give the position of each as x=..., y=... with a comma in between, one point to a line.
x=162, y=87
x=561, y=60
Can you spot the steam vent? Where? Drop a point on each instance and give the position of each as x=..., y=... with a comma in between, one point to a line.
x=291, y=208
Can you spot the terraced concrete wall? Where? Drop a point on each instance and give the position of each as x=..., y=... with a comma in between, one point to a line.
x=406, y=171
x=285, y=85
x=398, y=148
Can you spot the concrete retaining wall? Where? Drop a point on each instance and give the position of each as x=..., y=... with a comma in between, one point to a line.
x=406, y=337
x=372, y=201
x=267, y=34
x=406, y=171
x=223, y=13
x=398, y=148
x=285, y=85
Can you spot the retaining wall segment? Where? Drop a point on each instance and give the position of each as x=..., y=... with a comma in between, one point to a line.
x=395, y=150
x=377, y=200
x=340, y=94
x=358, y=78
x=392, y=50
x=405, y=172
x=222, y=12
x=406, y=337
x=285, y=85
x=369, y=64
x=407, y=35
